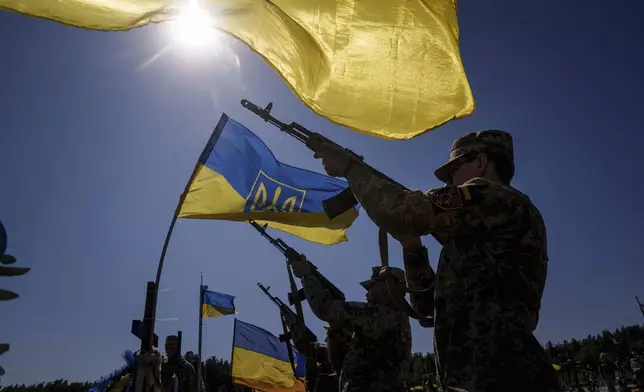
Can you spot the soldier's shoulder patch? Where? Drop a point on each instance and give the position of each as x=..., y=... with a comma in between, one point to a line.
x=448, y=198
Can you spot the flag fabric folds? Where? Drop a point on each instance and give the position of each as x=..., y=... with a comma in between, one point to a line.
x=217, y=304
x=260, y=361
x=238, y=178
x=387, y=68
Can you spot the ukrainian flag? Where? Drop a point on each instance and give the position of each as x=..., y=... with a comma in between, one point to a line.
x=216, y=304
x=260, y=361
x=387, y=68
x=238, y=178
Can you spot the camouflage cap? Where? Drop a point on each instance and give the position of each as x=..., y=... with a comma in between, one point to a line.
x=381, y=273
x=483, y=141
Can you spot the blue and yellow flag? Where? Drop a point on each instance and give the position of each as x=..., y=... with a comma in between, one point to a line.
x=387, y=68
x=260, y=361
x=217, y=304
x=238, y=178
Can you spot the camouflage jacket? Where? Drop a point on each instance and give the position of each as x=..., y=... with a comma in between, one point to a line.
x=489, y=281
x=379, y=354
x=325, y=379
x=182, y=369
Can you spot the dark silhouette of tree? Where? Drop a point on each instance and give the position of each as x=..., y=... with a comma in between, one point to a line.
x=53, y=386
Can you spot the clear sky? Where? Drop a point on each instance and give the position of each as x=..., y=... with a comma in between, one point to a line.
x=95, y=150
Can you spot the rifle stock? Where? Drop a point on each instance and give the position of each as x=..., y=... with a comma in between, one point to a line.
x=339, y=204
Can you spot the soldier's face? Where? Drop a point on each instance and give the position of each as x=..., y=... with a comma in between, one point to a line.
x=377, y=293
x=469, y=169
x=170, y=348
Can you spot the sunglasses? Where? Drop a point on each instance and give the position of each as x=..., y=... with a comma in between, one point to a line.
x=456, y=164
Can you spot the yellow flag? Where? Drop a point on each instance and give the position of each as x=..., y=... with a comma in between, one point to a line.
x=386, y=68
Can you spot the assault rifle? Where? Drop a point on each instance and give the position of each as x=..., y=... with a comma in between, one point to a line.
x=292, y=254
x=344, y=200
x=289, y=317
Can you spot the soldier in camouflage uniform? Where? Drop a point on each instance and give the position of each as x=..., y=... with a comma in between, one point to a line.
x=492, y=269
x=329, y=358
x=379, y=354
x=177, y=369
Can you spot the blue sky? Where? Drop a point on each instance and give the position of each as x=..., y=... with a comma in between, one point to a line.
x=95, y=152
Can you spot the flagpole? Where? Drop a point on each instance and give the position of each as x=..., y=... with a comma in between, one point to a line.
x=202, y=289
x=232, y=354
x=151, y=302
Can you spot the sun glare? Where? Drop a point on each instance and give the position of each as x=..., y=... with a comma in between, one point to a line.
x=194, y=28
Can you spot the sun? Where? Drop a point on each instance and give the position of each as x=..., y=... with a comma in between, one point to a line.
x=194, y=27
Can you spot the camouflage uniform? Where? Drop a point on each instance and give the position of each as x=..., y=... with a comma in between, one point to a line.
x=490, y=275
x=379, y=354
x=325, y=380
x=330, y=358
x=180, y=367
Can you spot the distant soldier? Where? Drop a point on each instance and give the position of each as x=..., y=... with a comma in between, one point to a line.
x=607, y=370
x=329, y=358
x=177, y=374
x=492, y=269
x=379, y=354
x=637, y=365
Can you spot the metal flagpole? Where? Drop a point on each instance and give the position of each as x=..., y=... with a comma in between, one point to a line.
x=153, y=287
x=202, y=289
x=232, y=355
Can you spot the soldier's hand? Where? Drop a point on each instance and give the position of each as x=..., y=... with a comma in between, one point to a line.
x=408, y=241
x=296, y=334
x=335, y=164
x=301, y=267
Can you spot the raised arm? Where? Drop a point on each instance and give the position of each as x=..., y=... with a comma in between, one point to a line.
x=443, y=211
x=355, y=316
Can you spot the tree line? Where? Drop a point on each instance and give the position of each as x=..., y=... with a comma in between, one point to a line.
x=617, y=344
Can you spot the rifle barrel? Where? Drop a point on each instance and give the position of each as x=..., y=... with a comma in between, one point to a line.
x=278, y=243
x=264, y=114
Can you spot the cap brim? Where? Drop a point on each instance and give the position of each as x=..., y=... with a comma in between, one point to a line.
x=367, y=284
x=442, y=173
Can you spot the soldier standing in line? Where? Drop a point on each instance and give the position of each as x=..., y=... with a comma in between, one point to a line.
x=379, y=354
x=330, y=358
x=176, y=371
x=492, y=269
